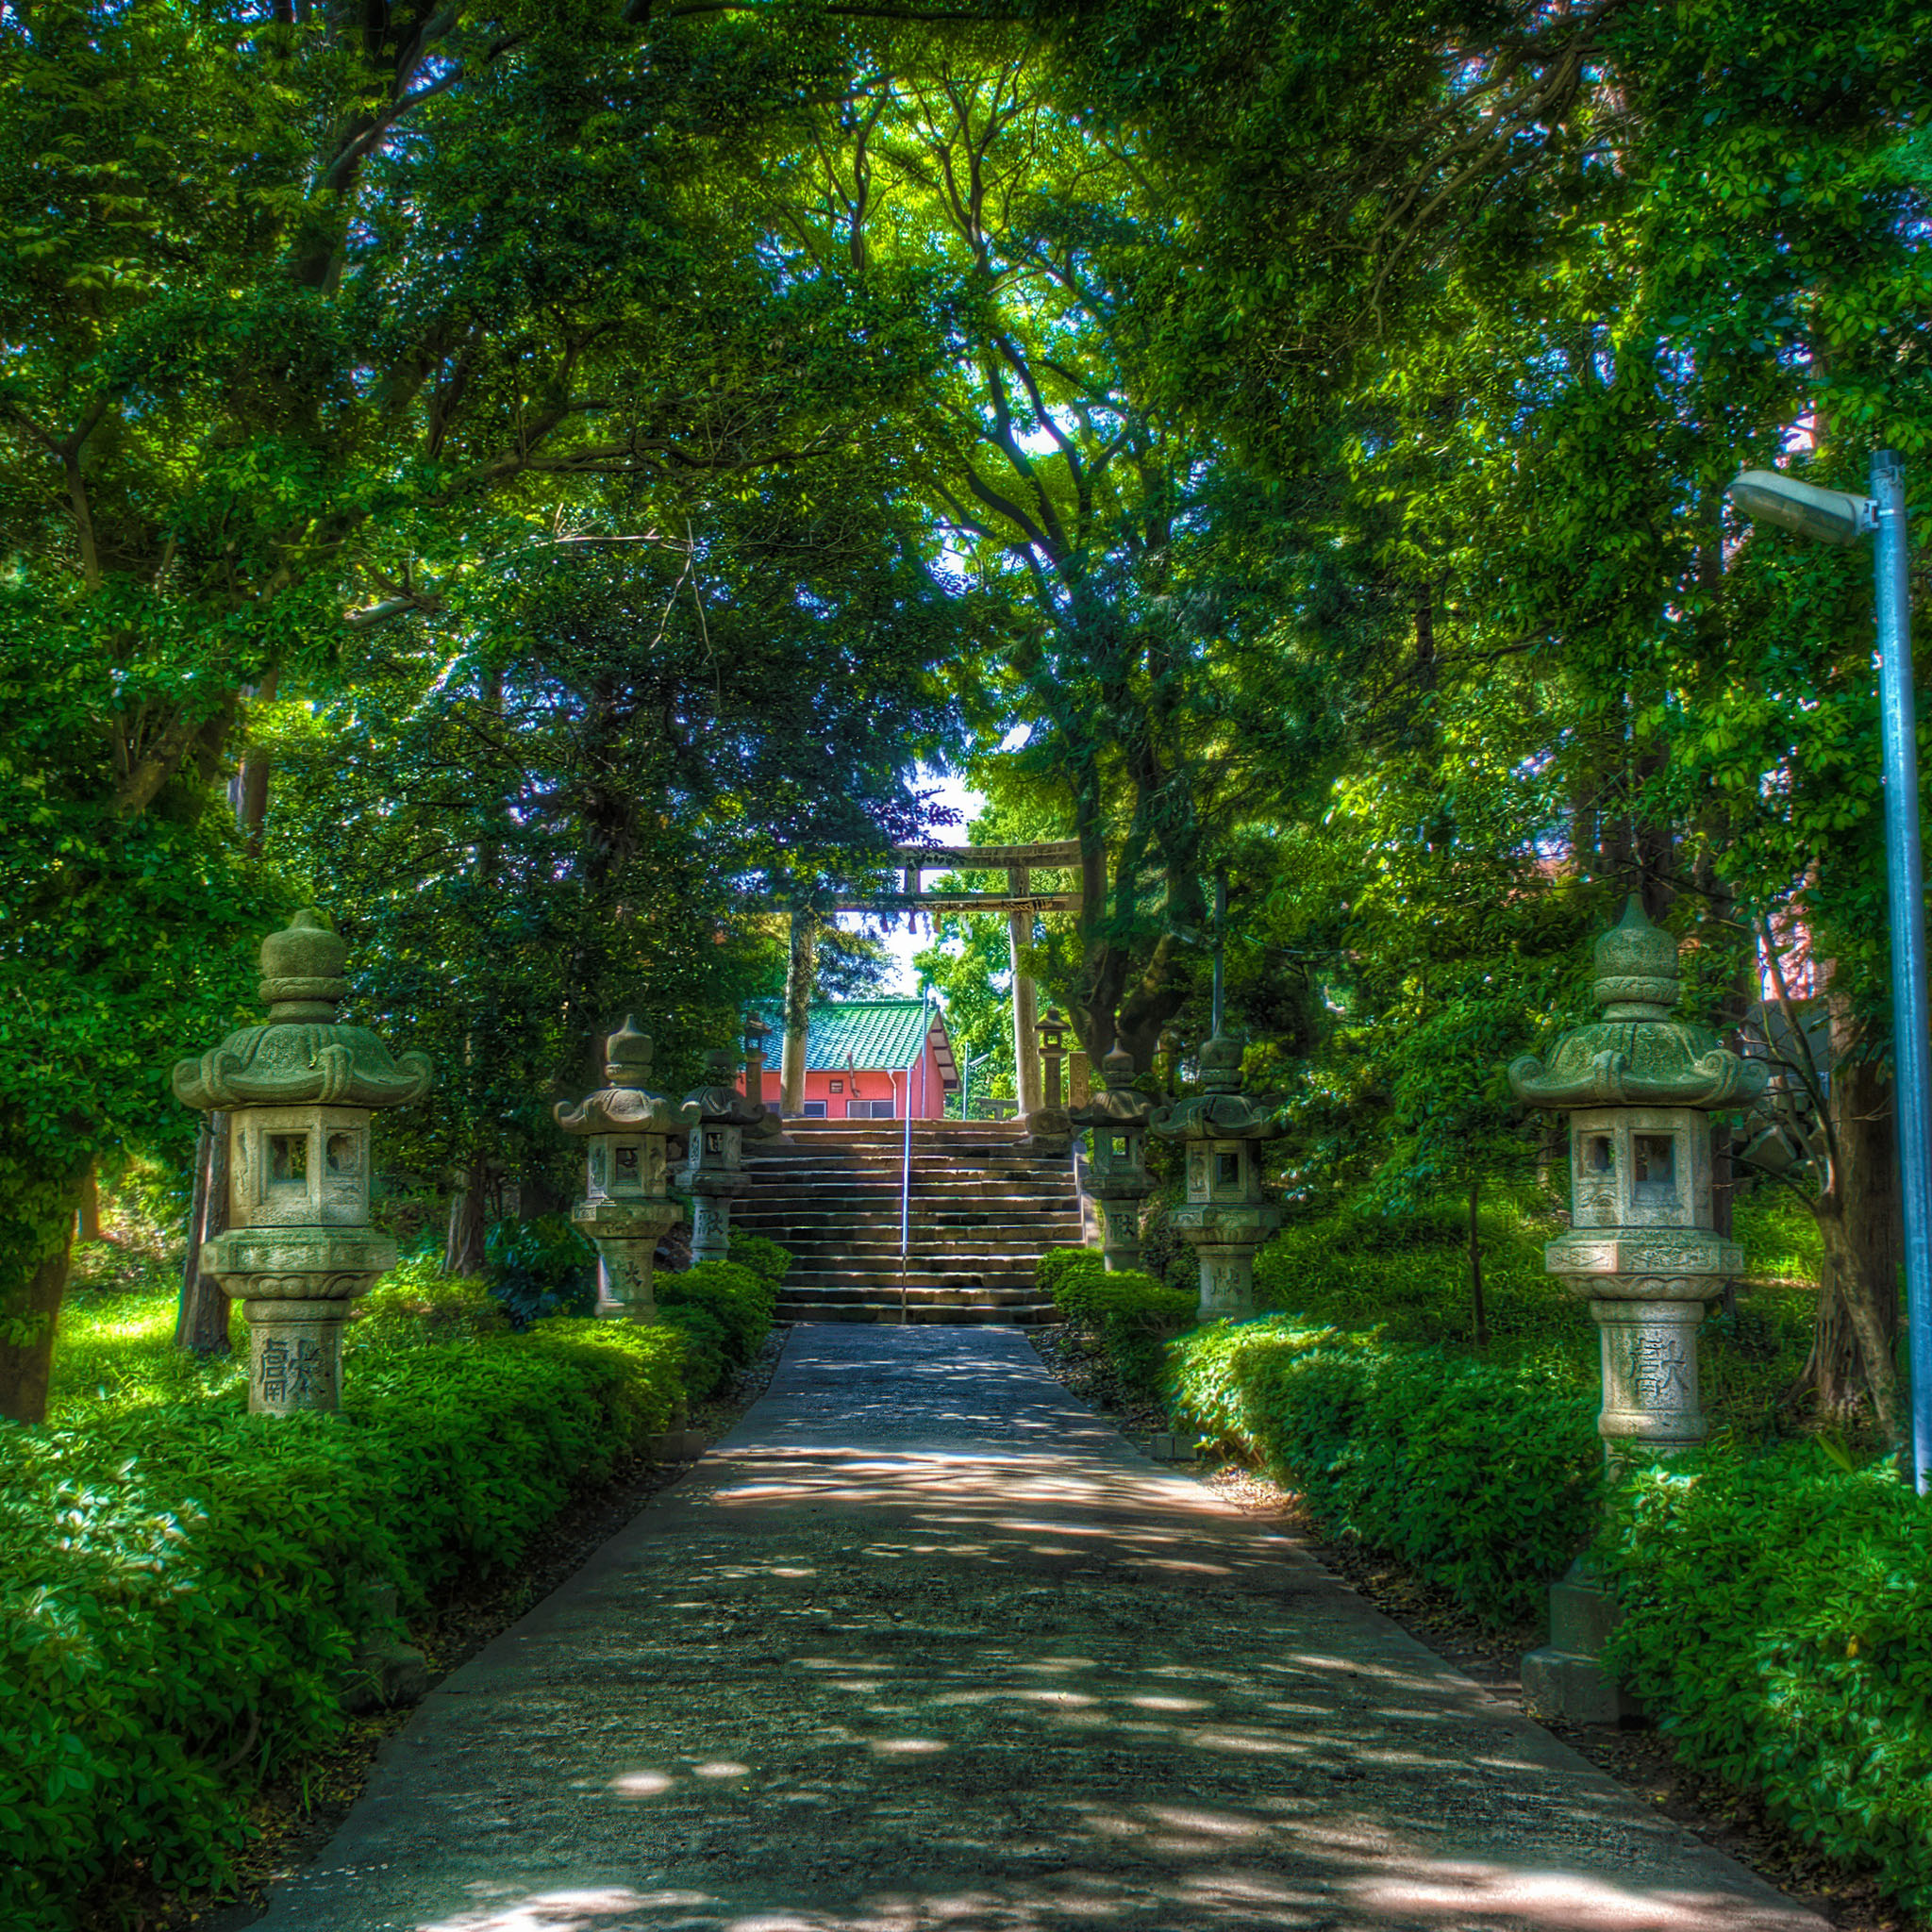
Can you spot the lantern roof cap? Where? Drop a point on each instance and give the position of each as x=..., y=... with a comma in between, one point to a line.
x=1120, y=1105
x=1636, y=1054
x=625, y=1106
x=1221, y=1111
x=303, y=1053
x=718, y=1098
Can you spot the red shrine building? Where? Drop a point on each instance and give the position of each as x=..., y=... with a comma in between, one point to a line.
x=872, y=1059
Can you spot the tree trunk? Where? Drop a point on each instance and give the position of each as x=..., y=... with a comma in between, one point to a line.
x=800, y=974
x=90, y=1227
x=462, y=1253
x=1861, y=1223
x=201, y=1324
x=1478, y=1308
x=251, y=803
x=45, y=1212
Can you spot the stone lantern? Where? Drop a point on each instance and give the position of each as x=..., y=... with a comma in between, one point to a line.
x=1117, y=1175
x=1052, y=1046
x=1048, y=1129
x=626, y=1207
x=1638, y=1087
x=713, y=1173
x=1225, y=1217
x=299, y=1092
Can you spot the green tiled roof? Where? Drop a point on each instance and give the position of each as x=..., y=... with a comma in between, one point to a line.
x=862, y=1033
x=880, y=1034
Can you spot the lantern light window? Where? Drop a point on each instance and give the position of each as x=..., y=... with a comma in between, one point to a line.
x=1656, y=1162
x=287, y=1159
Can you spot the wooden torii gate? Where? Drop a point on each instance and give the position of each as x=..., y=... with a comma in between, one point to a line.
x=1018, y=901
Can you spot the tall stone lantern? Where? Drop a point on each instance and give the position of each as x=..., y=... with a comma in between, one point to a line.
x=300, y=1093
x=1638, y=1087
x=713, y=1173
x=626, y=1206
x=1225, y=1217
x=1117, y=1177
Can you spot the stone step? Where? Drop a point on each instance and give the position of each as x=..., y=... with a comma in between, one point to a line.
x=881, y=1249
x=920, y=1274
x=921, y=1295
x=827, y=1224
x=888, y=1312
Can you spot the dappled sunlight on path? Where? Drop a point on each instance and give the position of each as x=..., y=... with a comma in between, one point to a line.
x=925, y=1646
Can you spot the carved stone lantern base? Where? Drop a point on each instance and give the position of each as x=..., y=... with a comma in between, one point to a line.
x=711, y=1196
x=1224, y=1236
x=1120, y=1203
x=296, y=1288
x=626, y=1235
x=1566, y=1678
x=1049, y=1132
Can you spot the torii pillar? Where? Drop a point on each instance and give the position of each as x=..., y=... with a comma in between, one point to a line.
x=1027, y=1087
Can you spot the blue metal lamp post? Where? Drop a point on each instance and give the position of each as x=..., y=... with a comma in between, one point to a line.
x=1838, y=516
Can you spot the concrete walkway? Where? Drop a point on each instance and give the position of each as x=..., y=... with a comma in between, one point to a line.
x=925, y=1644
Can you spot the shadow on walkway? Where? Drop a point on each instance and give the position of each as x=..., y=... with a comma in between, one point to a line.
x=925, y=1644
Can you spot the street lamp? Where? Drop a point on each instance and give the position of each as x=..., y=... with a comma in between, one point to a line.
x=1838, y=516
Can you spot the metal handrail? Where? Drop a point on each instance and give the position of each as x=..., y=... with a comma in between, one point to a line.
x=906, y=1167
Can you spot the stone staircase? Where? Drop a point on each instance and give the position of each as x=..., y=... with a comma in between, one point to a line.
x=983, y=1211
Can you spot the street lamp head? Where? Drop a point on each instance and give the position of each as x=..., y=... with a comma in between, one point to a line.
x=1830, y=516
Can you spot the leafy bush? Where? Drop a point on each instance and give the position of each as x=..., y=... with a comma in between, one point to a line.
x=1482, y=1477
x=1777, y=1615
x=723, y=1311
x=1057, y=1264
x=1131, y=1314
x=417, y=1302
x=182, y=1585
x=770, y=1262
x=540, y=1267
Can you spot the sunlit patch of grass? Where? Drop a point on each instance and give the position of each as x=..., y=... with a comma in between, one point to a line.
x=119, y=1349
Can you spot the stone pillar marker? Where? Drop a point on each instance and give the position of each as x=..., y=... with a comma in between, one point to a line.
x=1225, y=1217
x=713, y=1173
x=299, y=1092
x=626, y=1206
x=1049, y=1131
x=1117, y=1177
x=1641, y=1246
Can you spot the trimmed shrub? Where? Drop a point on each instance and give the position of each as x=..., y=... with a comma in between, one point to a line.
x=725, y=1312
x=770, y=1262
x=1484, y=1478
x=417, y=1302
x=1778, y=1614
x=1057, y=1264
x=1131, y=1314
x=181, y=1584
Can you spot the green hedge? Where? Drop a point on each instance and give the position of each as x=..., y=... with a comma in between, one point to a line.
x=1777, y=1615
x=723, y=1311
x=1484, y=1478
x=1131, y=1314
x=766, y=1259
x=1777, y=1612
x=180, y=1583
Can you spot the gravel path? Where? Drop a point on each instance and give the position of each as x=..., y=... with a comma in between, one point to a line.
x=926, y=1644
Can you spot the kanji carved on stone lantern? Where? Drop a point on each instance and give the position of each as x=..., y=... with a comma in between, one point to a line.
x=713, y=1173
x=299, y=1092
x=1225, y=1217
x=626, y=1207
x=1638, y=1087
x=1117, y=1177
